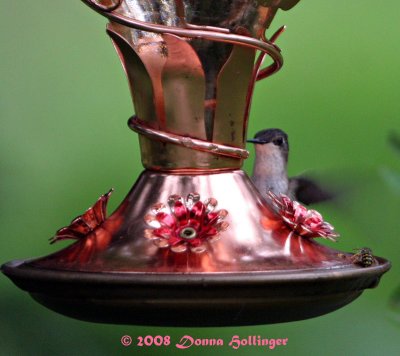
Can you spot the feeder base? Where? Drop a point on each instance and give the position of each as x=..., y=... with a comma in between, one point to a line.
x=195, y=299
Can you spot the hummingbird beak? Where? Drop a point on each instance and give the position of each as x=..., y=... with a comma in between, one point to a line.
x=254, y=140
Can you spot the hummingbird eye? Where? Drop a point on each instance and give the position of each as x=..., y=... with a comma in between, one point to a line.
x=278, y=141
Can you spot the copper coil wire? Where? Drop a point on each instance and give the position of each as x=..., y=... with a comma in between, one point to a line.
x=140, y=127
x=266, y=46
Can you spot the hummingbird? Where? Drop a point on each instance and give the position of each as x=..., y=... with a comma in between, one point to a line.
x=270, y=170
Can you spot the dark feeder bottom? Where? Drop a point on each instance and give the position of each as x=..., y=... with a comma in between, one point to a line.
x=221, y=299
x=258, y=272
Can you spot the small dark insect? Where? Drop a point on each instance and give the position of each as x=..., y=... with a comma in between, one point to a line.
x=86, y=223
x=363, y=257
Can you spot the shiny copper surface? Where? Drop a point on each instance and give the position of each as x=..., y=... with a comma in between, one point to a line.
x=191, y=72
x=254, y=241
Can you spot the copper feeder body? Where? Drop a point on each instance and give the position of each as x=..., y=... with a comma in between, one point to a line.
x=192, y=77
x=192, y=68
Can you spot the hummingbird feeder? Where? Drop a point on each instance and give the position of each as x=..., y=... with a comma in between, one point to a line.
x=194, y=243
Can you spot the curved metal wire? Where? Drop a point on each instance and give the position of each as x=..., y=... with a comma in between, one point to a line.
x=210, y=33
x=266, y=46
x=95, y=4
x=268, y=71
x=140, y=127
x=259, y=74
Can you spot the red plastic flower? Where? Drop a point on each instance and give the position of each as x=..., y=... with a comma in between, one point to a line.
x=304, y=222
x=85, y=224
x=185, y=223
x=92, y=230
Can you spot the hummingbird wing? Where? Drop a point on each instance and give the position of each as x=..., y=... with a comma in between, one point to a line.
x=394, y=140
x=391, y=176
x=308, y=191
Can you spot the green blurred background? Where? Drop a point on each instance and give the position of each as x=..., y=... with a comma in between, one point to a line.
x=64, y=141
